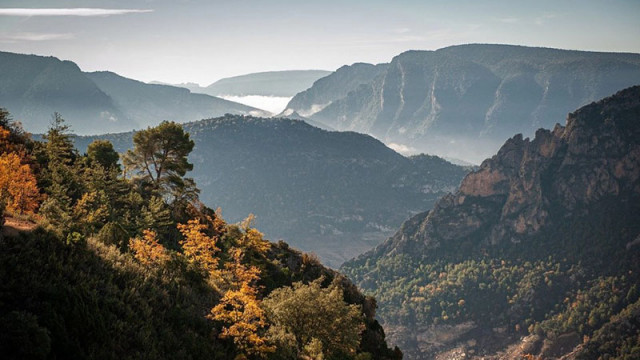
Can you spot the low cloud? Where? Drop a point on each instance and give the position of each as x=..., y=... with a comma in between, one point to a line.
x=272, y=104
x=402, y=149
x=68, y=12
x=34, y=37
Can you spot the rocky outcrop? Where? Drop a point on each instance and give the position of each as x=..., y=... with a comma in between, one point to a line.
x=532, y=200
x=463, y=101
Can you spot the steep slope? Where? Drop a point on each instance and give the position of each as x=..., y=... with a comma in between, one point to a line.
x=543, y=237
x=463, y=101
x=84, y=299
x=336, y=194
x=148, y=103
x=332, y=87
x=33, y=87
x=271, y=83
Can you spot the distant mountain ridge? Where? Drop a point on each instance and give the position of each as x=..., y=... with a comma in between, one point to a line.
x=33, y=87
x=284, y=83
x=540, y=241
x=150, y=103
x=336, y=194
x=463, y=101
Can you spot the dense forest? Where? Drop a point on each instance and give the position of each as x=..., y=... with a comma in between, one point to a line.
x=108, y=257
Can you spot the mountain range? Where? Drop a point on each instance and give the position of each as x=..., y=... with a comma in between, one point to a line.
x=336, y=194
x=285, y=83
x=464, y=101
x=33, y=87
x=535, y=255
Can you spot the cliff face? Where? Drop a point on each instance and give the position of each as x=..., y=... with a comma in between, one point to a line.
x=509, y=198
x=569, y=194
x=463, y=101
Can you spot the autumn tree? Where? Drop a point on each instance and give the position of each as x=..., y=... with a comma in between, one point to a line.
x=147, y=250
x=240, y=309
x=18, y=186
x=314, y=315
x=159, y=157
x=198, y=247
x=251, y=239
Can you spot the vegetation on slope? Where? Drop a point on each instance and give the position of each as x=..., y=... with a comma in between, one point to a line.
x=542, y=240
x=136, y=267
x=336, y=194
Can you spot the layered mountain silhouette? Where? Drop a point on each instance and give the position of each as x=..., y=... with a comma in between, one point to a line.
x=337, y=194
x=285, y=83
x=33, y=87
x=463, y=101
x=542, y=240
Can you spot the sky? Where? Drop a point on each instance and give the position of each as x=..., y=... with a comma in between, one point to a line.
x=201, y=41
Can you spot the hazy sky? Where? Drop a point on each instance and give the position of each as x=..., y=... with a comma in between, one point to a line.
x=204, y=40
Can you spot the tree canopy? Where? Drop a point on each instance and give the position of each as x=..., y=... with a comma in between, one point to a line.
x=159, y=156
x=313, y=315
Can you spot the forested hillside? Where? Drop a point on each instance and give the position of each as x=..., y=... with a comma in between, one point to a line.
x=541, y=242
x=337, y=194
x=97, y=265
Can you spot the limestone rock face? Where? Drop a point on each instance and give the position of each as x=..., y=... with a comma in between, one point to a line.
x=463, y=101
x=535, y=196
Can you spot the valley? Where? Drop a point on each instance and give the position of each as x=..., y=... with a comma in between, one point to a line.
x=335, y=180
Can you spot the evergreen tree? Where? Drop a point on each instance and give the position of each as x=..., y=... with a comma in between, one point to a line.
x=159, y=157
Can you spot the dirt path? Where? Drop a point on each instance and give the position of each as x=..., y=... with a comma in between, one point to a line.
x=13, y=226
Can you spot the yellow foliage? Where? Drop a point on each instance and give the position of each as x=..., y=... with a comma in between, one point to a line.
x=252, y=238
x=198, y=247
x=18, y=186
x=148, y=250
x=240, y=308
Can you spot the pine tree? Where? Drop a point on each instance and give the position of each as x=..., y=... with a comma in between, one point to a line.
x=159, y=157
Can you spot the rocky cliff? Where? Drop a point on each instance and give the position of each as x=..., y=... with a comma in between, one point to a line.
x=463, y=101
x=537, y=226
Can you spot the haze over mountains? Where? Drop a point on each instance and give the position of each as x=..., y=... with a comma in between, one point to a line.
x=463, y=101
x=336, y=194
x=33, y=87
x=542, y=241
x=522, y=249
x=270, y=91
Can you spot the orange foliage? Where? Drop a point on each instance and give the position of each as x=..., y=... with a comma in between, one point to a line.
x=18, y=186
x=148, y=250
x=5, y=146
x=198, y=247
x=240, y=308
